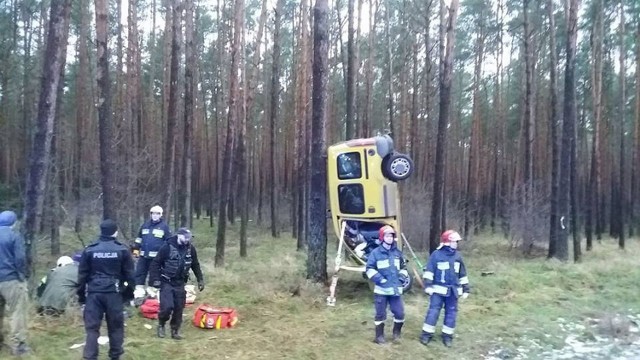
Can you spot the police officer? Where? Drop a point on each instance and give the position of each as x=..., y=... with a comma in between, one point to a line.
x=152, y=235
x=104, y=277
x=169, y=272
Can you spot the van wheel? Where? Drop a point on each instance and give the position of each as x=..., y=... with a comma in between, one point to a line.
x=397, y=167
x=406, y=285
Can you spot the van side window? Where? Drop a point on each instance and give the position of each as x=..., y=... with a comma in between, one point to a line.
x=351, y=198
x=349, y=166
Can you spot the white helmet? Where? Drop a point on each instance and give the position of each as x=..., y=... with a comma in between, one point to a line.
x=64, y=260
x=156, y=209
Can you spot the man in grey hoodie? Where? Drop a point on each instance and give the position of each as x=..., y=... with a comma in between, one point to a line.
x=13, y=286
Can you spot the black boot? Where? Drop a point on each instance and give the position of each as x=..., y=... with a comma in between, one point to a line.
x=447, y=341
x=425, y=338
x=175, y=334
x=397, y=329
x=379, y=334
x=160, y=331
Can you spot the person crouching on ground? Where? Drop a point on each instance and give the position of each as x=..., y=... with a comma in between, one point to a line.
x=60, y=286
x=169, y=272
x=386, y=267
x=445, y=279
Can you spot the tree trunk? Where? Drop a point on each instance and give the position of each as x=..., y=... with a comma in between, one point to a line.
x=189, y=85
x=438, y=202
x=105, y=123
x=230, y=140
x=635, y=178
x=553, y=125
x=476, y=137
x=622, y=191
x=41, y=146
x=168, y=173
x=568, y=134
x=351, y=75
x=317, y=250
x=83, y=111
x=392, y=129
x=273, y=118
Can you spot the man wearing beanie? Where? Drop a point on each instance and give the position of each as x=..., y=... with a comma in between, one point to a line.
x=105, y=267
x=169, y=272
x=13, y=286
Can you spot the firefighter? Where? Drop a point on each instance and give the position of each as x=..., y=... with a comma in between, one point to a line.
x=104, y=275
x=445, y=280
x=152, y=235
x=386, y=267
x=169, y=272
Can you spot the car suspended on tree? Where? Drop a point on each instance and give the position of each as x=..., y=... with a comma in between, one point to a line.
x=362, y=176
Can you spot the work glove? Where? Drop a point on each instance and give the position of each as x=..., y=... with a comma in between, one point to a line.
x=200, y=285
x=465, y=296
x=136, y=253
x=428, y=290
x=156, y=284
x=82, y=299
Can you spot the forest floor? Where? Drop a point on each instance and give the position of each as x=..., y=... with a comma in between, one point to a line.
x=527, y=309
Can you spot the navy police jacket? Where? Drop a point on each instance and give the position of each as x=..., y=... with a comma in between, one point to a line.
x=151, y=237
x=445, y=273
x=105, y=266
x=387, y=268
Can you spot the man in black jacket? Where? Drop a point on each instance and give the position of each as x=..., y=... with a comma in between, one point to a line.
x=169, y=272
x=105, y=277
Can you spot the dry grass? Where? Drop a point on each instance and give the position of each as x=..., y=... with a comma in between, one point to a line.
x=282, y=316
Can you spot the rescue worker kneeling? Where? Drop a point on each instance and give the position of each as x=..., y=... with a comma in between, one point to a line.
x=169, y=272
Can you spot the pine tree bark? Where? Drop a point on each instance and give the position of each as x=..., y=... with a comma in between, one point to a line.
x=351, y=74
x=635, y=178
x=317, y=250
x=622, y=191
x=553, y=125
x=231, y=132
x=568, y=134
x=83, y=111
x=438, y=200
x=41, y=146
x=189, y=85
x=273, y=118
x=105, y=123
x=168, y=173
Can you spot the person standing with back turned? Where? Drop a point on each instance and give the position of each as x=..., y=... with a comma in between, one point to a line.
x=105, y=267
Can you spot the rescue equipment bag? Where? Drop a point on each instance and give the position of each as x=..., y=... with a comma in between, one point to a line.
x=211, y=317
x=150, y=308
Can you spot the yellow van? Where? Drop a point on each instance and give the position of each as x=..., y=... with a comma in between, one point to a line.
x=362, y=176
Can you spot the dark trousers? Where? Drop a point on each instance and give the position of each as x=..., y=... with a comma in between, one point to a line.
x=395, y=304
x=142, y=269
x=436, y=303
x=97, y=306
x=172, y=299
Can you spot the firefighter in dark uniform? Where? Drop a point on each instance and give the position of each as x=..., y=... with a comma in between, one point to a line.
x=152, y=235
x=105, y=280
x=169, y=272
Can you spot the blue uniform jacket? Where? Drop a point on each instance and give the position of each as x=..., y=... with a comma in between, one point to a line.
x=104, y=267
x=386, y=268
x=13, y=265
x=445, y=273
x=151, y=237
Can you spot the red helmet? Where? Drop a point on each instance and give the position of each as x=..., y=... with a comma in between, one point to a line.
x=385, y=229
x=449, y=236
